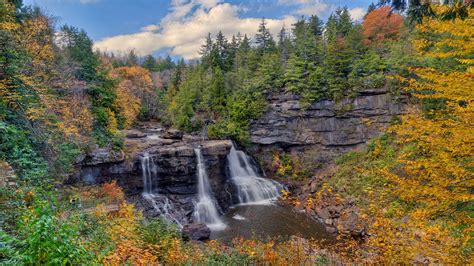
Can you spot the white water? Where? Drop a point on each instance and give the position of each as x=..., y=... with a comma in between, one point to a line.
x=149, y=171
x=251, y=188
x=205, y=210
x=159, y=202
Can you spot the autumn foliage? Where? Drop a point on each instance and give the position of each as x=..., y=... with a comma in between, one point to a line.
x=415, y=183
x=133, y=90
x=381, y=25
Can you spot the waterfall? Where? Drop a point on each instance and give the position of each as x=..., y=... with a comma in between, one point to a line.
x=148, y=172
x=205, y=210
x=159, y=202
x=251, y=188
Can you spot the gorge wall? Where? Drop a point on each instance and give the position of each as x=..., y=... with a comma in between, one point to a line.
x=325, y=129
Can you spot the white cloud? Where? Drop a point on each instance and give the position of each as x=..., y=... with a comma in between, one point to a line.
x=151, y=27
x=308, y=7
x=357, y=13
x=185, y=27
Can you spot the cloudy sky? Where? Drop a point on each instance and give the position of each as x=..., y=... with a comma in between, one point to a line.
x=178, y=27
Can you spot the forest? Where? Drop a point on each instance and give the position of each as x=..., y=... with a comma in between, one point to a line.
x=411, y=182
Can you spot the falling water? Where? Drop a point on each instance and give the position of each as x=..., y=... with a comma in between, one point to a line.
x=148, y=172
x=159, y=202
x=205, y=210
x=251, y=188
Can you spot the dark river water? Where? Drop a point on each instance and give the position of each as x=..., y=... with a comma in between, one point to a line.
x=267, y=222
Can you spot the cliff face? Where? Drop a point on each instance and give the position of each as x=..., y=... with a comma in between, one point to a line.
x=326, y=128
x=171, y=167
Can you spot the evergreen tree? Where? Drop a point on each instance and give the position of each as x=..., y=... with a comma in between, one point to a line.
x=178, y=76
x=284, y=45
x=150, y=63
x=165, y=64
x=316, y=26
x=78, y=46
x=217, y=90
x=132, y=58
x=264, y=39
x=205, y=49
x=223, y=56
x=269, y=74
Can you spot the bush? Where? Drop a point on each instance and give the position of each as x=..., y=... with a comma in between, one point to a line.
x=44, y=239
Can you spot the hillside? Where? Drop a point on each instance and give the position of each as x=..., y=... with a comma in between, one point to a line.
x=336, y=141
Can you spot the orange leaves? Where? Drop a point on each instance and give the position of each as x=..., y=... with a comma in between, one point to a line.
x=111, y=191
x=381, y=24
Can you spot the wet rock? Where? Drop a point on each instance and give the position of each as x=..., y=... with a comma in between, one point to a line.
x=216, y=147
x=197, y=231
x=133, y=134
x=174, y=171
x=172, y=134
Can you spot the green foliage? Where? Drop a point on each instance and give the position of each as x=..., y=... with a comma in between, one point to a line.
x=11, y=207
x=16, y=148
x=153, y=231
x=78, y=48
x=380, y=153
x=44, y=239
x=316, y=66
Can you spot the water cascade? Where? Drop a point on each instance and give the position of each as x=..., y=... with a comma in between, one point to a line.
x=159, y=202
x=251, y=188
x=149, y=171
x=205, y=210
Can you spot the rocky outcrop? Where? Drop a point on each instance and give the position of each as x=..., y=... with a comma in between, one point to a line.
x=196, y=231
x=326, y=127
x=172, y=169
x=316, y=135
x=172, y=134
x=103, y=156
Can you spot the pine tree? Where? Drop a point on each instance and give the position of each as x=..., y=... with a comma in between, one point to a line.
x=150, y=63
x=205, y=51
x=165, y=64
x=284, y=45
x=78, y=46
x=177, y=78
x=217, y=90
x=264, y=39
x=316, y=26
x=132, y=58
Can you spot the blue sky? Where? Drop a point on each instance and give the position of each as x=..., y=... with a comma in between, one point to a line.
x=178, y=26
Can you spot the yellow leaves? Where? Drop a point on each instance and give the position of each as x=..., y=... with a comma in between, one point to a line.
x=7, y=14
x=128, y=104
x=436, y=159
x=133, y=91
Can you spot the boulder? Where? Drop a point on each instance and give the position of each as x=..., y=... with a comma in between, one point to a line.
x=216, y=147
x=172, y=134
x=133, y=134
x=197, y=231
